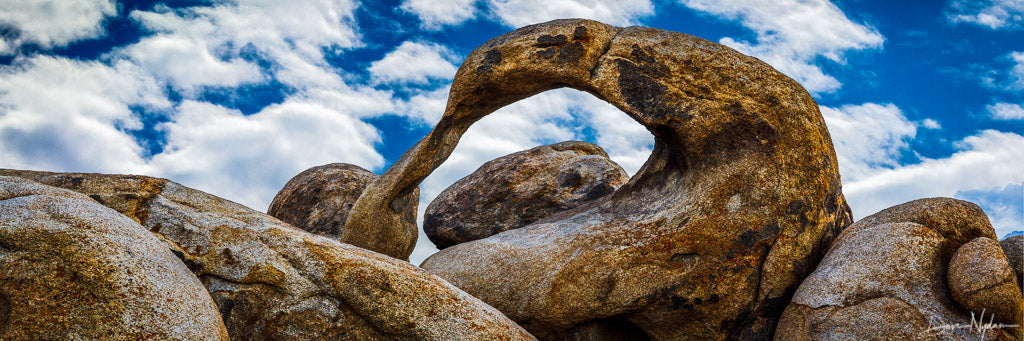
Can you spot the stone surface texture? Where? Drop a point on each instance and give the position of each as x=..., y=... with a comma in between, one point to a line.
x=272, y=281
x=73, y=269
x=739, y=199
x=318, y=199
x=1013, y=247
x=518, y=189
x=982, y=281
x=885, y=277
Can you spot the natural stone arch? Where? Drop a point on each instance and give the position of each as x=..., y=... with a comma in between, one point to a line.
x=709, y=239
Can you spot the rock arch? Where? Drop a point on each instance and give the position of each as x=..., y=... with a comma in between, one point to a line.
x=709, y=239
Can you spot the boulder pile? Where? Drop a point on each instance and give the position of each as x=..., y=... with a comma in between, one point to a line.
x=735, y=228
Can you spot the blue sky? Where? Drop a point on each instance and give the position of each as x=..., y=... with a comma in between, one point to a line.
x=922, y=98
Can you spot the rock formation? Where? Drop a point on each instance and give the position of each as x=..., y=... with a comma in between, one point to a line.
x=982, y=281
x=518, y=189
x=885, y=277
x=1013, y=247
x=738, y=200
x=273, y=281
x=318, y=199
x=73, y=269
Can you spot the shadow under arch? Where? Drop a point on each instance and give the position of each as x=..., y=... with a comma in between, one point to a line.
x=739, y=196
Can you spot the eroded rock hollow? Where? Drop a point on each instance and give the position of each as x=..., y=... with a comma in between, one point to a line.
x=709, y=240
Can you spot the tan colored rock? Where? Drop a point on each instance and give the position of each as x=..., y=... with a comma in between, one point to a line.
x=982, y=281
x=318, y=199
x=518, y=189
x=1013, y=247
x=73, y=269
x=272, y=281
x=738, y=200
x=884, y=277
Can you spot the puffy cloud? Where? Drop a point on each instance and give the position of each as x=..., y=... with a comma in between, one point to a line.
x=983, y=161
x=1004, y=206
x=791, y=34
x=435, y=14
x=414, y=62
x=249, y=158
x=867, y=137
x=995, y=14
x=1006, y=111
x=518, y=13
x=51, y=23
x=65, y=115
x=931, y=124
x=189, y=64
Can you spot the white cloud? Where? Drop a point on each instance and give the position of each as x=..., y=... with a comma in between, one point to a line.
x=435, y=14
x=868, y=137
x=1016, y=81
x=791, y=34
x=189, y=64
x=1004, y=206
x=65, y=115
x=995, y=14
x=52, y=23
x=518, y=13
x=931, y=124
x=1006, y=111
x=983, y=161
x=249, y=158
x=414, y=62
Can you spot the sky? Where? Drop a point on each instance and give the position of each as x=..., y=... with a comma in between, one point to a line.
x=922, y=98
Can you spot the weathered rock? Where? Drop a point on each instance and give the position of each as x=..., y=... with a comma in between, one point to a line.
x=884, y=277
x=318, y=199
x=738, y=200
x=73, y=269
x=518, y=189
x=982, y=281
x=272, y=281
x=1013, y=247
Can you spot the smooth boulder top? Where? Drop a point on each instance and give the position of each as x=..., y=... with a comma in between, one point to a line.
x=738, y=200
x=518, y=189
x=982, y=281
x=318, y=200
x=271, y=280
x=885, y=277
x=73, y=269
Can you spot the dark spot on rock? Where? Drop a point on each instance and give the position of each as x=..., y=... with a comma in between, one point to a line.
x=642, y=92
x=191, y=265
x=714, y=298
x=571, y=52
x=598, y=190
x=5, y=309
x=228, y=258
x=768, y=231
x=156, y=228
x=96, y=197
x=681, y=302
x=548, y=40
x=698, y=300
x=225, y=306
x=795, y=206
x=748, y=239
x=77, y=181
x=579, y=33
x=548, y=52
x=640, y=55
x=491, y=58
x=570, y=179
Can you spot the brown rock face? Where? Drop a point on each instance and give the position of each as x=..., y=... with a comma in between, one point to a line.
x=884, y=277
x=272, y=281
x=738, y=200
x=982, y=281
x=73, y=269
x=1013, y=247
x=318, y=199
x=518, y=189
